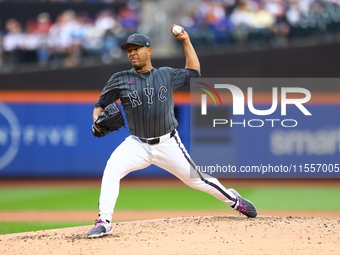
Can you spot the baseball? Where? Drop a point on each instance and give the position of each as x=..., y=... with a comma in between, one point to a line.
x=176, y=29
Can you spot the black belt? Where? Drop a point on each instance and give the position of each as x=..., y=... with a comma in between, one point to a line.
x=155, y=140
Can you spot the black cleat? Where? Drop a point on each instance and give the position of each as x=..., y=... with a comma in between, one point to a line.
x=243, y=205
x=101, y=228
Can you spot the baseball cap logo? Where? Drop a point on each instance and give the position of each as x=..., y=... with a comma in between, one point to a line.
x=131, y=38
x=137, y=39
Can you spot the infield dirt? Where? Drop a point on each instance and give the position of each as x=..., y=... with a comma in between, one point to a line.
x=188, y=235
x=216, y=233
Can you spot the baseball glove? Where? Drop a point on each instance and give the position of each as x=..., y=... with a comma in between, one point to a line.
x=110, y=120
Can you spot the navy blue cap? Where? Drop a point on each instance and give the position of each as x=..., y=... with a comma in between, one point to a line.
x=137, y=39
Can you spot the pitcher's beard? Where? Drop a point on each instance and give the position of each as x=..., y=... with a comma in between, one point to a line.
x=137, y=66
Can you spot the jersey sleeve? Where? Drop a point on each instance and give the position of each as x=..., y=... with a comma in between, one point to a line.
x=181, y=77
x=109, y=94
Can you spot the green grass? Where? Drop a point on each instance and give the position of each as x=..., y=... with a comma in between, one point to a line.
x=302, y=198
x=48, y=198
x=18, y=227
x=265, y=198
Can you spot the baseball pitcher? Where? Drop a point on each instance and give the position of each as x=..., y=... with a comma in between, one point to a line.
x=146, y=96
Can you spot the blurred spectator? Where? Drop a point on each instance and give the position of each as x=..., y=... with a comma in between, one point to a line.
x=280, y=28
x=12, y=41
x=219, y=23
x=64, y=49
x=92, y=40
x=209, y=23
x=1, y=43
x=72, y=38
x=261, y=23
x=241, y=18
x=105, y=25
x=294, y=13
x=129, y=17
x=262, y=19
x=30, y=43
x=41, y=29
x=271, y=21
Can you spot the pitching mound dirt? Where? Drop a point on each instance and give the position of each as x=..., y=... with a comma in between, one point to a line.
x=188, y=235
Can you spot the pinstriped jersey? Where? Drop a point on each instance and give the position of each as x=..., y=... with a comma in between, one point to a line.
x=147, y=98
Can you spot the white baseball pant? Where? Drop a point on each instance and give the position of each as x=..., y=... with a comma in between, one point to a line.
x=169, y=154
